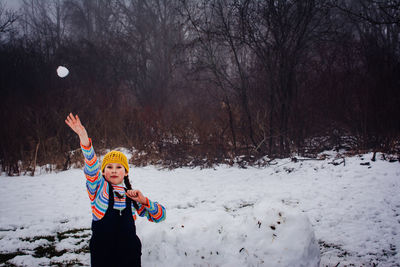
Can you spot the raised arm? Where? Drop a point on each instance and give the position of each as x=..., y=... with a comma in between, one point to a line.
x=92, y=165
x=75, y=124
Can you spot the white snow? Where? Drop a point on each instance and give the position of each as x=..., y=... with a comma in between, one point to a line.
x=62, y=71
x=287, y=214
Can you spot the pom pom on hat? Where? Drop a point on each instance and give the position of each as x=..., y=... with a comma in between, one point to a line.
x=115, y=157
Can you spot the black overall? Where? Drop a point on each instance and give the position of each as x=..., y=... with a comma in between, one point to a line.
x=114, y=241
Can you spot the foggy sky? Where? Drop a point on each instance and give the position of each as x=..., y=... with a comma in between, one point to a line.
x=12, y=4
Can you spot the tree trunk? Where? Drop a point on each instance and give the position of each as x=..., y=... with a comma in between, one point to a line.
x=35, y=159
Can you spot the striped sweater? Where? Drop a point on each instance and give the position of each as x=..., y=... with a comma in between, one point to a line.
x=97, y=188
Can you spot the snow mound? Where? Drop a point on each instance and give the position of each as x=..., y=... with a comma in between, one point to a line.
x=264, y=233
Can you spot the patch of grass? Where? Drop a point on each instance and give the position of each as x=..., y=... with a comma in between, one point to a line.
x=71, y=263
x=72, y=233
x=47, y=252
x=244, y=205
x=8, y=256
x=329, y=245
x=84, y=250
x=49, y=238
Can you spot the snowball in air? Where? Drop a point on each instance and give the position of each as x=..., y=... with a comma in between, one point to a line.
x=62, y=71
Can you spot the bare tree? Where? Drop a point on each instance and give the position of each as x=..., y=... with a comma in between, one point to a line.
x=219, y=55
x=375, y=27
x=45, y=22
x=377, y=12
x=7, y=19
x=281, y=34
x=150, y=37
x=92, y=20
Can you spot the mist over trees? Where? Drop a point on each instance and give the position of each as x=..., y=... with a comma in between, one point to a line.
x=198, y=82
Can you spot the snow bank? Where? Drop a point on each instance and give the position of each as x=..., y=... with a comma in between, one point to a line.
x=266, y=234
x=281, y=215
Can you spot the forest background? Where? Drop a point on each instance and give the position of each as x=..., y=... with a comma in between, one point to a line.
x=198, y=82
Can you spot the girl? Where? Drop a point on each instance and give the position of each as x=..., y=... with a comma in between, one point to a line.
x=114, y=241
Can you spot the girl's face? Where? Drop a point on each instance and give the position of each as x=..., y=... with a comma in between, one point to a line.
x=114, y=173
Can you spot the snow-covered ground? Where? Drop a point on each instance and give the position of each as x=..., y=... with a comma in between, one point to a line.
x=287, y=214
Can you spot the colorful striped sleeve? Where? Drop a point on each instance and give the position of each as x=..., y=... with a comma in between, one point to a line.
x=91, y=170
x=152, y=210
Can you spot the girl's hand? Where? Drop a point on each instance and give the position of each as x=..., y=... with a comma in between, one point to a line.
x=137, y=196
x=75, y=124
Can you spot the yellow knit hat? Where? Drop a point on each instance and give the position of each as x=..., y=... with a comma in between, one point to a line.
x=115, y=157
